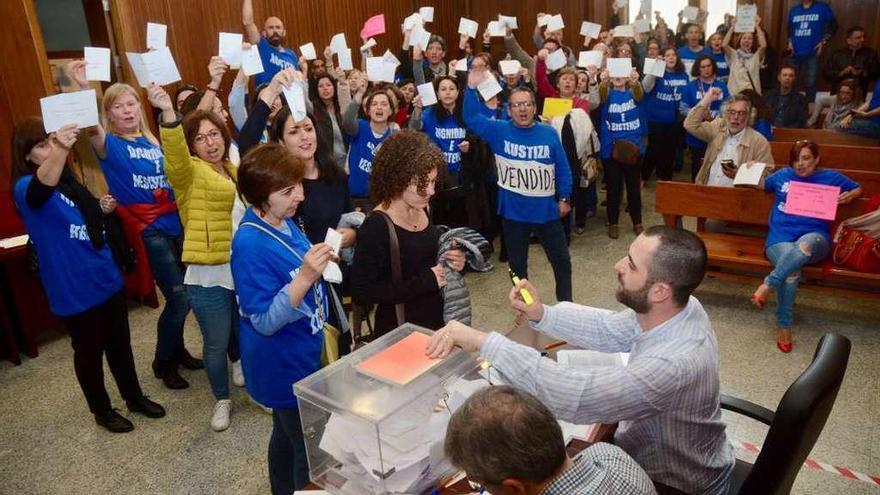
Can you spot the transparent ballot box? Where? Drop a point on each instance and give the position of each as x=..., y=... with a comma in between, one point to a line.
x=366, y=433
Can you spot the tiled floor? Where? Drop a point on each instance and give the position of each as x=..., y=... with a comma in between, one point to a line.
x=49, y=443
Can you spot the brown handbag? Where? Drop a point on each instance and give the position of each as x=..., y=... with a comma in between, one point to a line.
x=625, y=152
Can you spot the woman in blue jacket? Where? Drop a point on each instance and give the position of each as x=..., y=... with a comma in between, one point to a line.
x=662, y=99
x=705, y=71
x=282, y=300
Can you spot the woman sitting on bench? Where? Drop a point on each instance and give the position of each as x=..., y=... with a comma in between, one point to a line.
x=793, y=240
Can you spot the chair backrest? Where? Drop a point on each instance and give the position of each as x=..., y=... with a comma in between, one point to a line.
x=799, y=419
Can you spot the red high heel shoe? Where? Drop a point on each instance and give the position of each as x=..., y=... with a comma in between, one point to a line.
x=783, y=346
x=758, y=301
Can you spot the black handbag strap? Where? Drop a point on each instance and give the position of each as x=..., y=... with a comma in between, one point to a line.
x=396, y=274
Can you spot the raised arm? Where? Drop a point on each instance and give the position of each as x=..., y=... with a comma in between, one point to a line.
x=252, y=131
x=762, y=39
x=216, y=68
x=695, y=122
x=418, y=73
x=725, y=45
x=236, y=100
x=247, y=19
x=475, y=121
x=60, y=143
x=350, y=113
x=545, y=89
x=97, y=135
x=343, y=89
x=178, y=163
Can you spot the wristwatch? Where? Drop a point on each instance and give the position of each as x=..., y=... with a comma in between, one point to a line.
x=564, y=200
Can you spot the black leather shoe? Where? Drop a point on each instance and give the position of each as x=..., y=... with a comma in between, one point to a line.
x=185, y=359
x=167, y=371
x=146, y=407
x=114, y=422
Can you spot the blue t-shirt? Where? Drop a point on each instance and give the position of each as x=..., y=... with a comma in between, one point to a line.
x=261, y=267
x=721, y=61
x=693, y=93
x=134, y=169
x=447, y=134
x=688, y=57
x=806, y=26
x=361, y=151
x=531, y=165
x=76, y=275
x=875, y=102
x=621, y=119
x=662, y=102
x=274, y=60
x=790, y=228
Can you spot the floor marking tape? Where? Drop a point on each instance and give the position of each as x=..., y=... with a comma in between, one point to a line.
x=817, y=465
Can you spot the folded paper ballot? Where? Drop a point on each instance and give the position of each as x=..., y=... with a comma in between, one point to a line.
x=230, y=48
x=556, y=60
x=156, y=35
x=97, y=63
x=400, y=363
x=78, y=107
x=251, y=63
x=468, y=27
x=156, y=66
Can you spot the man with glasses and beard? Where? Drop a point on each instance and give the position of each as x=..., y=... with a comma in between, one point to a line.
x=666, y=399
x=270, y=42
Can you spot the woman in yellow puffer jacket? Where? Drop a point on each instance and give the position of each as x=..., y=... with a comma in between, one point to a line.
x=204, y=181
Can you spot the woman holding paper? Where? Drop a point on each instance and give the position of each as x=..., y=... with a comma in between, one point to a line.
x=328, y=116
x=745, y=59
x=705, y=70
x=566, y=83
x=795, y=240
x=662, y=99
x=197, y=164
x=133, y=165
x=80, y=248
x=283, y=302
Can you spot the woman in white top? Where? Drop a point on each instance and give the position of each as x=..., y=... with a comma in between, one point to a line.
x=849, y=97
x=745, y=60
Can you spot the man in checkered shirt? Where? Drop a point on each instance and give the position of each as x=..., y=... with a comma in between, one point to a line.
x=509, y=442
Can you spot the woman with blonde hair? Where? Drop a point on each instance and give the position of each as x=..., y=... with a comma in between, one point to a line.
x=134, y=167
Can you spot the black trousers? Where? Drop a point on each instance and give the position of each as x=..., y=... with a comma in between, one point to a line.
x=94, y=332
x=663, y=140
x=618, y=174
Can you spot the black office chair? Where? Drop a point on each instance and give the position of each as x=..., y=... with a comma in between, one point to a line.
x=795, y=425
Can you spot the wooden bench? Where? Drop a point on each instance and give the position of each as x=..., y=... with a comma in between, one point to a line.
x=822, y=136
x=836, y=156
x=741, y=257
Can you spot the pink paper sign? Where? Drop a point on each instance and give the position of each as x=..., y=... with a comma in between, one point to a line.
x=374, y=25
x=812, y=200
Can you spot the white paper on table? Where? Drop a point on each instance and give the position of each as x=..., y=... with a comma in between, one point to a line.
x=555, y=23
x=655, y=67
x=590, y=29
x=427, y=14
x=308, y=51
x=369, y=44
x=156, y=66
x=624, y=31
x=412, y=21
x=251, y=63
x=691, y=13
x=11, y=242
x=508, y=21
x=344, y=58
x=591, y=57
x=468, y=27
x=97, y=63
x=543, y=20
x=745, y=19
x=509, y=67
x=427, y=93
x=641, y=26
x=645, y=8
x=496, y=29
x=619, y=67
x=79, y=107
x=557, y=59
x=337, y=43
x=389, y=58
x=296, y=100
x=489, y=87
x=230, y=48
x=157, y=35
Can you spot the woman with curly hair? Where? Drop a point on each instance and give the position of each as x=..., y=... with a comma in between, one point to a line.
x=402, y=183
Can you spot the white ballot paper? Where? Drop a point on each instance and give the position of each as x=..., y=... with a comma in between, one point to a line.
x=460, y=65
x=590, y=29
x=296, y=100
x=334, y=240
x=468, y=27
x=332, y=273
x=369, y=44
x=427, y=14
x=591, y=57
x=496, y=29
x=97, y=63
x=230, y=49
x=345, y=59
x=619, y=67
x=489, y=87
x=251, y=63
x=645, y=8
x=427, y=93
x=378, y=69
x=655, y=67
x=337, y=43
x=157, y=36
x=691, y=13
x=308, y=51
x=543, y=20
x=619, y=4
x=555, y=23
x=412, y=21
x=624, y=31
x=641, y=26
x=389, y=58
x=745, y=19
x=79, y=107
x=420, y=37
x=509, y=67
x=508, y=21
x=156, y=66
x=557, y=59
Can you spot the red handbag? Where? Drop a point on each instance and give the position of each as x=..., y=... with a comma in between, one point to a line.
x=857, y=243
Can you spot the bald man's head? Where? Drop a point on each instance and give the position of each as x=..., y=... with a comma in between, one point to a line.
x=273, y=31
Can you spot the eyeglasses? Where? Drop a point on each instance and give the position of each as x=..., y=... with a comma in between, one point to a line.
x=212, y=135
x=522, y=104
x=737, y=113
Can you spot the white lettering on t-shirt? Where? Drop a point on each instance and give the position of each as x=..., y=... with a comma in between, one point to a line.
x=66, y=200
x=279, y=62
x=632, y=125
x=621, y=107
x=526, y=152
x=149, y=182
x=528, y=178
x=79, y=232
x=365, y=165
x=449, y=133
x=452, y=157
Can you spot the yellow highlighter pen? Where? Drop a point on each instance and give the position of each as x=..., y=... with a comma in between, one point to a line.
x=527, y=298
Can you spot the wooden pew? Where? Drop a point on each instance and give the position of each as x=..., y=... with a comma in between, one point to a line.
x=834, y=155
x=739, y=256
x=822, y=136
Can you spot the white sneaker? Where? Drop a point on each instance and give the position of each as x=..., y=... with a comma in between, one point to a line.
x=237, y=374
x=220, y=417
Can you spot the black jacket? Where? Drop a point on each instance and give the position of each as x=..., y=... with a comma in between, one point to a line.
x=789, y=110
x=864, y=58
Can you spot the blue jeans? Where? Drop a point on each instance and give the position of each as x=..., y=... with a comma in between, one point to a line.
x=164, y=253
x=788, y=258
x=217, y=313
x=552, y=237
x=807, y=67
x=288, y=465
x=863, y=127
